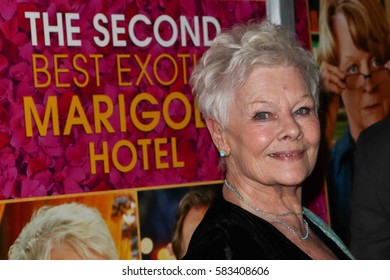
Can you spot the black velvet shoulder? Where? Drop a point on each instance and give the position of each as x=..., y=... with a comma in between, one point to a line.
x=230, y=232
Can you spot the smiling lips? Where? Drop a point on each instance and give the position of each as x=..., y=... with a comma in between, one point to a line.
x=372, y=106
x=287, y=155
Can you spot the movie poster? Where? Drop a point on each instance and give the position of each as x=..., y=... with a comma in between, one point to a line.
x=349, y=40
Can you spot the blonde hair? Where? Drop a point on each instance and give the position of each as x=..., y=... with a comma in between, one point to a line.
x=74, y=224
x=367, y=23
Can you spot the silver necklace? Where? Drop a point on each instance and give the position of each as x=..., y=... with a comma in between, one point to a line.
x=268, y=215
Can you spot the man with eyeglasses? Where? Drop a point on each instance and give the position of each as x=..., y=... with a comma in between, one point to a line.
x=353, y=53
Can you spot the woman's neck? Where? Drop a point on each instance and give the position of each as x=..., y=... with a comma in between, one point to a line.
x=277, y=200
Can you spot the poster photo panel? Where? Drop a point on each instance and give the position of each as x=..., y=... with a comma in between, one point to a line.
x=350, y=43
x=117, y=208
x=166, y=228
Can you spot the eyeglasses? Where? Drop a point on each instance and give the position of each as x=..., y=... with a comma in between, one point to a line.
x=356, y=81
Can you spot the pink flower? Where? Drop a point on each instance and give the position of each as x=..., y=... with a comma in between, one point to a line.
x=24, y=23
x=4, y=140
x=77, y=174
x=3, y=63
x=77, y=151
x=8, y=178
x=51, y=145
x=20, y=71
x=36, y=165
x=188, y=154
x=20, y=141
x=71, y=186
x=7, y=9
x=32, y=188
x=6, y=91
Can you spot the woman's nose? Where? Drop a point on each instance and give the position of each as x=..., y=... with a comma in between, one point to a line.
x=369, y=85
x=289, y=128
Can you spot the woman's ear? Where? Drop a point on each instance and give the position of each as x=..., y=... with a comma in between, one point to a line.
x=217, y=134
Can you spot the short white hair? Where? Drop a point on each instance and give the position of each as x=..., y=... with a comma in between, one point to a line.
x=74, y=224
x=232, y=56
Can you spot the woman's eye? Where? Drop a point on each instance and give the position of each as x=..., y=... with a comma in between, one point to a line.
x=262, y=116
x=303, y=111
x=377, y=63
x=353, y=69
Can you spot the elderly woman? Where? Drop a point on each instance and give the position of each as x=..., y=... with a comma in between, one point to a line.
x=257, y=90
x=353, y=51
x=69, y=231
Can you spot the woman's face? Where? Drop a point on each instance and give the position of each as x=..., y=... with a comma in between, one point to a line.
x=371, y=103
x=273, y=131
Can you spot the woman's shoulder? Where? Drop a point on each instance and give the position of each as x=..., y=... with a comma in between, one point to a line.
x=224, y=233
x=223, y=241
x=224, y=218
x=221, y=219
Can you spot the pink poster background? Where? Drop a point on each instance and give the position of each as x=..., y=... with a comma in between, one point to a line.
x=67, y=77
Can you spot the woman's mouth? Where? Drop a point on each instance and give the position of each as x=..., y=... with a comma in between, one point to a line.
x=287, y=155
x=371, y=106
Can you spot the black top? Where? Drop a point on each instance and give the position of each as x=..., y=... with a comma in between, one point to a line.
x=370, y=223
x=230, y=232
